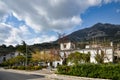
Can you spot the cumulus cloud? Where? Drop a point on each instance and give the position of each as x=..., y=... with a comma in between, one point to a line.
x=107, y=1
x=43, y=38
x=3, y=30
x=11, y=35
x=42, y=16
x=118, y=11
x=49, y=14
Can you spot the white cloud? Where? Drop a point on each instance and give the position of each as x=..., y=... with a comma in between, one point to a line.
x=11, y=35
x=118, y=10
x=49, y=14
x=107, y=1
x=43, y=38
x=3, y=9
x=42, y=16
x=116, y=0
x=4, y=32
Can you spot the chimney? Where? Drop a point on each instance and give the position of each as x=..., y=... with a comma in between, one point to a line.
x=111, y=44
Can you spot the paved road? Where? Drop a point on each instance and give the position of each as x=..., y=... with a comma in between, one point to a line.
x=10, y=74
x=16, y=76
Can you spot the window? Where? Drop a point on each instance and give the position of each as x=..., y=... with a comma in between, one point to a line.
x=64, y=45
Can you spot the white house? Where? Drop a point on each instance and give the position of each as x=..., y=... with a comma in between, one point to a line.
x=69, y=47
x=5, y=57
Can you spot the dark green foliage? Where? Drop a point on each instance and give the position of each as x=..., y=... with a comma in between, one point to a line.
x=22, y=48
x=43, y=46
x=100, y=57
x=77, y=58
x=4, y=49
x=21, y=67
x=18, y=60
x=30, y=48
x=106, y=71
x=29, y=67
x=25, y=67
x=63, y=69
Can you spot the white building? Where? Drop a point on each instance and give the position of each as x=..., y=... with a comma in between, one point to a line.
x=5, y=57
x=69, y=47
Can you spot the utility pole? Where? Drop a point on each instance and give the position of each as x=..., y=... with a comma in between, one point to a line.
x=26, y=56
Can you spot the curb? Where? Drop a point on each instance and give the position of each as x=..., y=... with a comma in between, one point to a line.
x=66, y=77
x=21, y=71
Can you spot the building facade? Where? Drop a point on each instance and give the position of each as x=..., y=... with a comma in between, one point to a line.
x=5, y=57
x=69, y=47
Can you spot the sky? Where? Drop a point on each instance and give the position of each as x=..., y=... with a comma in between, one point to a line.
x=38, y=21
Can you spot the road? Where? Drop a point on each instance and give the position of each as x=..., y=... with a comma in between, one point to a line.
x=4, y=75
x=10, y=74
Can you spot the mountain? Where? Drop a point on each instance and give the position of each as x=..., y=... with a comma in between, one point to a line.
x=99, y=31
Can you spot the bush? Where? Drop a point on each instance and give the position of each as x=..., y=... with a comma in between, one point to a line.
x=37, y=67
x=63, y=69
x=24, y=67
x=21, y=67
x=27, y=68
x=33, y=67
x=14, y=67
x=106, y=71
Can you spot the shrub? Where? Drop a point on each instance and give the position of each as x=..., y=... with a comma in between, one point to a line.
x=63, y=69
x=21, y=67
x=33, y=67
x=37, y=67
x=25, y=68
x=29, y=67
x=14, y=67
x=107, y=71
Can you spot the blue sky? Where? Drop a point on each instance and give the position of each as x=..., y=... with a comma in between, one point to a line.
x=107, y=13
x=38, y=21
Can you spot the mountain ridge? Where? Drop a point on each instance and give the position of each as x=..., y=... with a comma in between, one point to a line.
x=99, y=30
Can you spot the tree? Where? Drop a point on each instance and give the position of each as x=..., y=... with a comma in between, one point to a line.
x=100, y=57
x=3, y=46
x=20, y=60
x=44, y=56
x=77, y=58
x=37, y=56
x=22, y=48
x=25, y=49
x=86, y=57
x=15, y=61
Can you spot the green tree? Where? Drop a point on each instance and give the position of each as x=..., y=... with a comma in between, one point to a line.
x=20, y=60
x=86, y=57
x=37, y=56
x=25, y=49
x=15, y=61
x=78, y=58
x=100, y=57
x=44, y=56
x=22, y=48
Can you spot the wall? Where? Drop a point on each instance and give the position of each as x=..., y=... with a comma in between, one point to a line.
x=8, y=56
x=67, y=46
x=93, y=51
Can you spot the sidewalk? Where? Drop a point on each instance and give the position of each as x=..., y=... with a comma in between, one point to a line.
x=66, y=77
x=50, y=75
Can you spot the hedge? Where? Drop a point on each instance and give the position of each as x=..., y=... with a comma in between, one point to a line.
x=106, y=71
x=25, y=68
